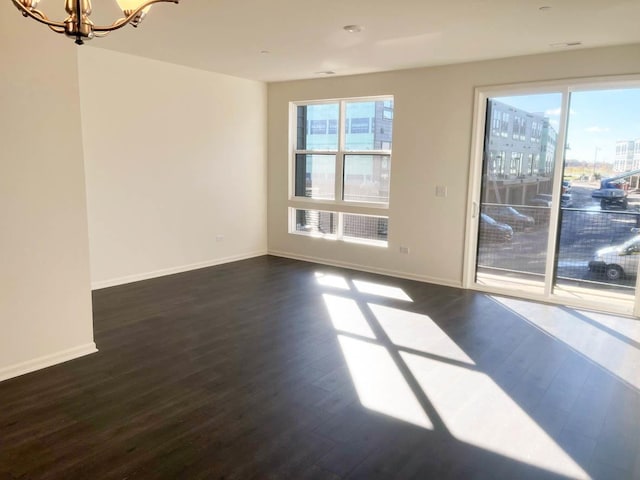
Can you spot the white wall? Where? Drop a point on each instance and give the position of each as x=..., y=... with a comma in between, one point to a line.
x=431, y=146
x=174, y=157
x=45, y=296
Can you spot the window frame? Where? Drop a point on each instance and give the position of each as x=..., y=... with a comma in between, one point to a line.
x=338, y=201
x=338, y=205
x=340, y=233
x=565, y=87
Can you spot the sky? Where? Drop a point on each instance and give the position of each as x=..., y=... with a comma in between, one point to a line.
x=597, y=119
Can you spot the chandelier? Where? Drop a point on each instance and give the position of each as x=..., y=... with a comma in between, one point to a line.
x=78, y=25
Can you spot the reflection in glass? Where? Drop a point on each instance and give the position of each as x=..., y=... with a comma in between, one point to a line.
x=366, y=178
x=368, y=125
x=317, y=127
x=316, y=176
x=519, y=156
x=316, y=222
x=598, y=233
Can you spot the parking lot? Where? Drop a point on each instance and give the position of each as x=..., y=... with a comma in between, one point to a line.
x=585, y=228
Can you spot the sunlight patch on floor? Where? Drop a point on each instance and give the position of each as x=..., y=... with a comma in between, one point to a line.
x=477, y=411
x=417, y=332
x=347, y=317
x=415, y=353
x=379, y=382
x=380, y=290
x=334, y=281
x=610, y=341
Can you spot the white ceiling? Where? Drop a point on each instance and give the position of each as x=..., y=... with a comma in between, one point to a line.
x=305, y=37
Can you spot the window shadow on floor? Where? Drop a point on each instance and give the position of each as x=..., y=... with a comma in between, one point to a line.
x=514, y=400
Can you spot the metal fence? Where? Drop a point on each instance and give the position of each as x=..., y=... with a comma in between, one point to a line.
x=583, y=233
x=354, y=227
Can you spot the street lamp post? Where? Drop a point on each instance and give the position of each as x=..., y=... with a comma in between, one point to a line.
x=595, y=159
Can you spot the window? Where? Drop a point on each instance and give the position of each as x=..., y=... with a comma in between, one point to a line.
x=316, y=222
x=366, y=178
x=516, y=163
x=365, y=227
x=496, y=124
x=317, y=176
x=559, y=254
x=359, y=125
x=504, y=128
x=318, y=127
x=342, y=157
x=517, y=121
x=349, y=227
x=536, y=131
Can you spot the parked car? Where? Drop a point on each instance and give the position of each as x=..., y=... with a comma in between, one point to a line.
x=545, y=200
x=510, y=216
x=541, y=200
x=617, y=261
x=492, y=231
x=566, y=186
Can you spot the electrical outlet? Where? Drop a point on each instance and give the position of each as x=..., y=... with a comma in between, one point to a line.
x=441, y=191
x=404, y=250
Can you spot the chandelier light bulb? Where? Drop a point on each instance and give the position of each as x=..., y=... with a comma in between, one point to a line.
x=132, y=5
x=78, y=25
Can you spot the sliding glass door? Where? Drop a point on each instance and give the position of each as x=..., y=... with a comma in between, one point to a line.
x=555, y=210
x=599, y=226
x=517, y=180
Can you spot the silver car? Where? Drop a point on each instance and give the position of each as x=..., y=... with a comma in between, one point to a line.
x=618, y=260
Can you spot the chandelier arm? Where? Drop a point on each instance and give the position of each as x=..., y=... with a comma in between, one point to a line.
x=38, y=16
x=126, y=20
x=56, y=28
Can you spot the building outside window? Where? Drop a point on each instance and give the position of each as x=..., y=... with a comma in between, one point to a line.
x=627, y=155
x=523, y=154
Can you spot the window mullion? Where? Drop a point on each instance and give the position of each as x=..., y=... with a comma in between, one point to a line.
x=340, y=154
x=339, y=177
x=340, y=230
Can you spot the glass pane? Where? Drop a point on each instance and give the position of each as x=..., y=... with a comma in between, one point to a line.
x=517, y=181
x=365, y=227
x=316, y=222
x=315, y=176
x=369, y=125
x=366, y=178
x=317, y=127
x=597, y=252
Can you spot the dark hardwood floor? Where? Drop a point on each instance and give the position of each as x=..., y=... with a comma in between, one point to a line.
x=277, y=369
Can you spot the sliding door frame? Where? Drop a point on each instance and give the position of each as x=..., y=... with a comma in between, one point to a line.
x=565, y=88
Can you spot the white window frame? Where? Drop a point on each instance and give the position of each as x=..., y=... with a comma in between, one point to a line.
x=339, y=154
x=339, y=235
x=337, y=205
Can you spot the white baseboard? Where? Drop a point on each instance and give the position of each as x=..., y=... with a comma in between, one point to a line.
x=170, y=271
x=365, y=268
x=46, y=361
